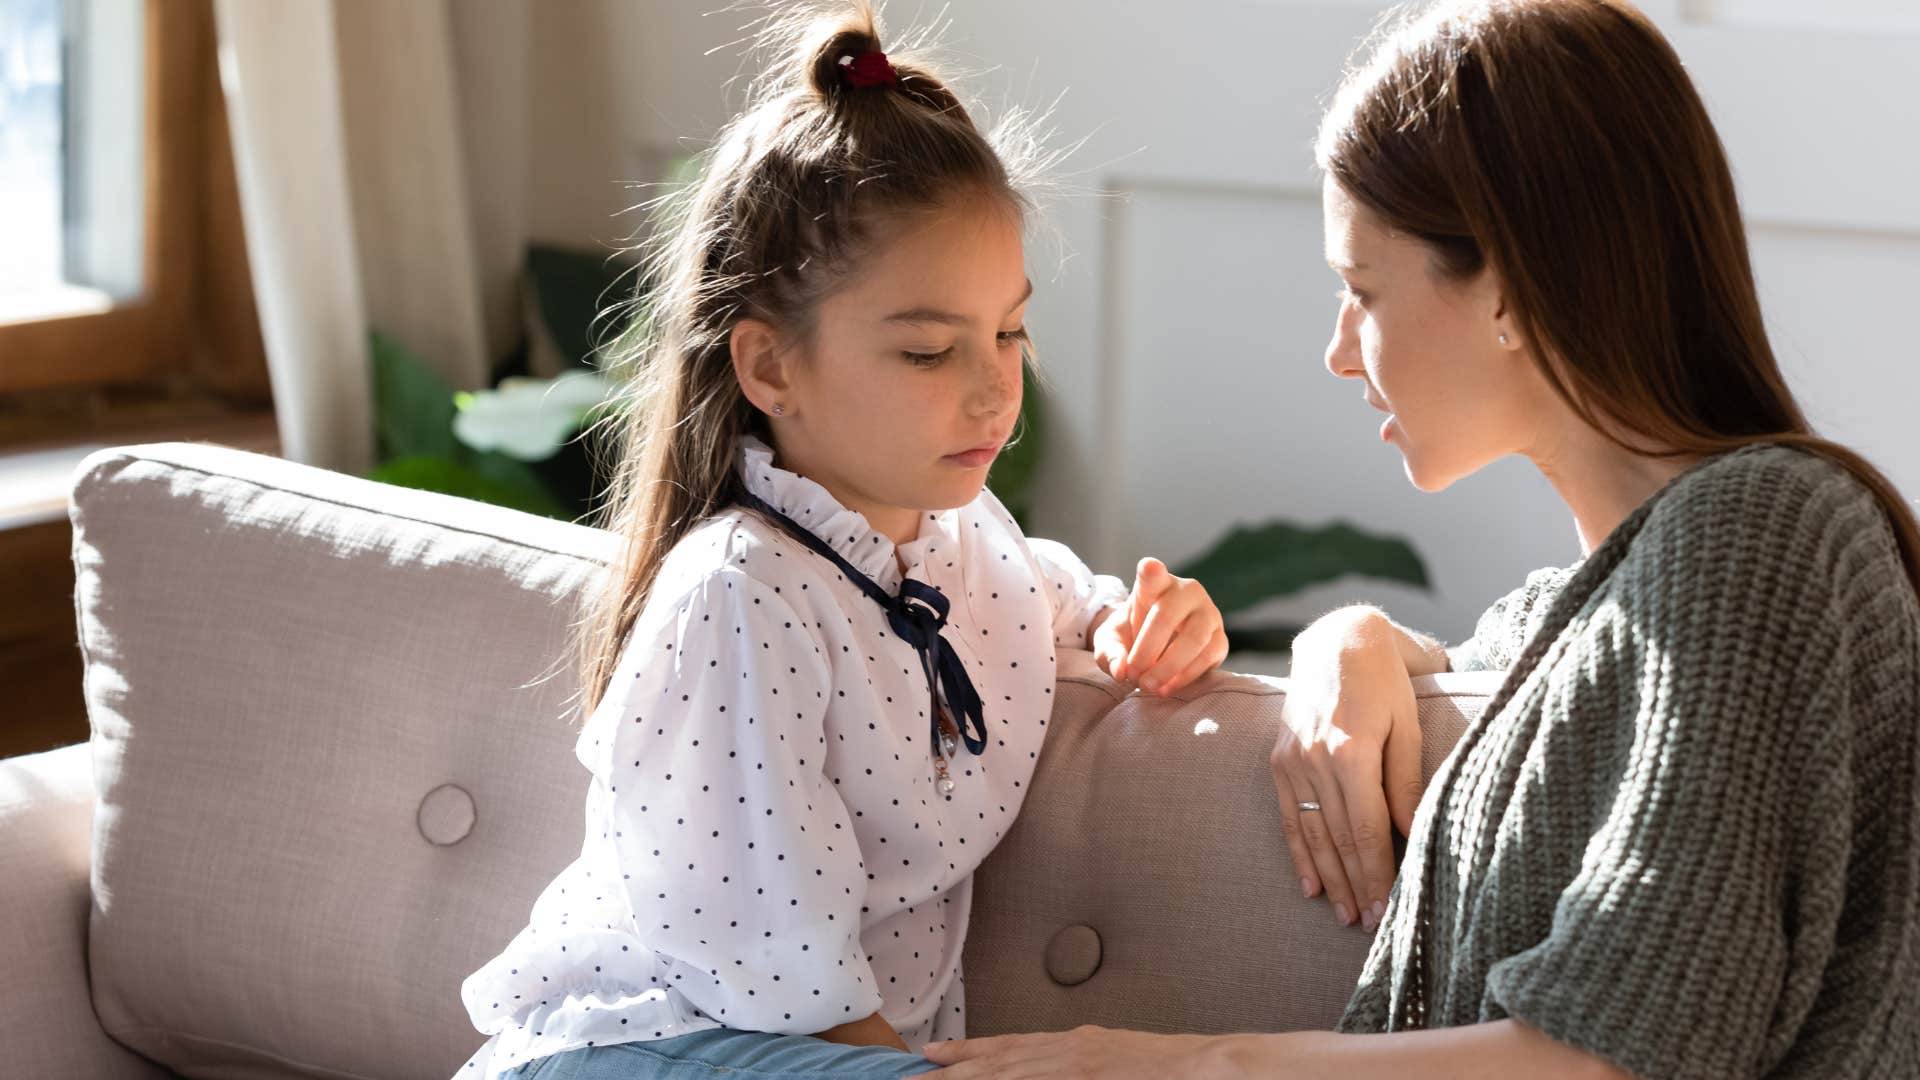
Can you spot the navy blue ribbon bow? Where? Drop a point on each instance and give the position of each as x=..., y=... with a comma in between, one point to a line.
x=917, y=616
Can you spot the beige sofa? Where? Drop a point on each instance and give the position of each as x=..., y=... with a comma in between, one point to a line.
x=330, y=771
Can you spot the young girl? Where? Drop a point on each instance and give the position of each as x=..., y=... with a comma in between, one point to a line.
x=826, y=663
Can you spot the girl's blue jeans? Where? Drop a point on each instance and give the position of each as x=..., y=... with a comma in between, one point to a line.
x=717, y=1052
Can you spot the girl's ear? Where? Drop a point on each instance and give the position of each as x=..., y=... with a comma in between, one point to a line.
x=761, y=365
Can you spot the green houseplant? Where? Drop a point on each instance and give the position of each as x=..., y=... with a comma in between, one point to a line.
x=521, y=444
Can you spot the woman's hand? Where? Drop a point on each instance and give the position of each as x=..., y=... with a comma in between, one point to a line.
x=1499, y=1048
x=1350, y=741
x=1167, y=634
x=1083, y=1053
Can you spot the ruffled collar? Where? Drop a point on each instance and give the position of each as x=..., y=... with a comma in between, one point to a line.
x=846, y=531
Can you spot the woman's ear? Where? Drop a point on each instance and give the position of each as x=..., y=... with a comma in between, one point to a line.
x=1505, y=329
x=762, y=365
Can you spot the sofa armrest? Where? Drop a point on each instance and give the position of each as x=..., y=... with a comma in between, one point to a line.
x=48, y=1026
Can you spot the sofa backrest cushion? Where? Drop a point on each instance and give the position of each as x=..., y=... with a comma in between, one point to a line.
x=1146, y=883
x=331, y=775
x=334, y=768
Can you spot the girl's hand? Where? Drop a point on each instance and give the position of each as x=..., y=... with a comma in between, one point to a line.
x=1084, y=1052
x=1350, y=741
x=1167, y=634
x=873, y=1031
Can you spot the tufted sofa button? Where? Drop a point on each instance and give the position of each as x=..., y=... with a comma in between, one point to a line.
x=446, y=815
x=1073, y=955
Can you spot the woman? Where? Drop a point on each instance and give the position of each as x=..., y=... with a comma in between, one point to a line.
x=1684, y=838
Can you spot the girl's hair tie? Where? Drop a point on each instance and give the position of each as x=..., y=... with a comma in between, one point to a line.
x=868, y=69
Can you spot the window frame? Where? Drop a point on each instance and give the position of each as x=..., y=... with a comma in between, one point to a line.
x=149, y=338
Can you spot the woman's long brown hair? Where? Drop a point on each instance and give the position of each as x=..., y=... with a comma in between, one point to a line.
x=1561, y=144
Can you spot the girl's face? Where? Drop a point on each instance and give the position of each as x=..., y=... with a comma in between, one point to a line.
x=1428, y=350
x=909, y=385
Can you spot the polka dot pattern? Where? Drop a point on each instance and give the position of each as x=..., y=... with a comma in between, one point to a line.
x=766, y=846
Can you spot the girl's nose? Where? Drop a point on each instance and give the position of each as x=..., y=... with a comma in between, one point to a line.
x=997, y=389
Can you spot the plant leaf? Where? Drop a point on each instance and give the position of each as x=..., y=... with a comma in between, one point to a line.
x=527, y=418
x=572, y=288
x=1255, y=563
x=413, y=405
x=1011, y=477
x=1263, y=638
x=523, y=477
x=487, y=483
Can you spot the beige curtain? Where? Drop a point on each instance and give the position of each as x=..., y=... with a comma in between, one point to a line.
x=379, y=192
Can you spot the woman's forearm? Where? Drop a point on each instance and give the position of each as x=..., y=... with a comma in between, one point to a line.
x=1366, y=627
x=1500, y=1048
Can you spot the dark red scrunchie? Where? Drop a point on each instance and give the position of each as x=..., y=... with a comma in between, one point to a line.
x=869, y=69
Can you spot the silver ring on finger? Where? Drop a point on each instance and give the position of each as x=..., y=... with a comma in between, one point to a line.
x=1309, y=806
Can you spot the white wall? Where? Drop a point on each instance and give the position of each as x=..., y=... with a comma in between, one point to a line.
x=1183, y=333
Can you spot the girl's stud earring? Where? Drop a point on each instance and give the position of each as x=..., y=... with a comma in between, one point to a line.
x=1503, y=341
x=779, y=410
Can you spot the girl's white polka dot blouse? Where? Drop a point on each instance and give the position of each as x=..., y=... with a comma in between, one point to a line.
x=767, y=847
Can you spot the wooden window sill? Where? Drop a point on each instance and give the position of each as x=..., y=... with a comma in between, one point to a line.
x=35, y=477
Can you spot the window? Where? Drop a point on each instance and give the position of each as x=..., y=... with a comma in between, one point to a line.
x=70, y=138
x=116, y=201
x=30, y=137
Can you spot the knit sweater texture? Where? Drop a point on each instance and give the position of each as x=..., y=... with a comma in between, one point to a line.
x=1685, y=834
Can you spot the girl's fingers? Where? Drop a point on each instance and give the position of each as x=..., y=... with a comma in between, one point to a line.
x=1163, y=623
x=1115, y=639
x=1108, y=648
x=1211, y=656
x=1140, y=600
x=1177, y=657
x=1150, y=579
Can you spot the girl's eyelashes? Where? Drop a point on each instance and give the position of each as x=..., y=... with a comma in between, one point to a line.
x=1348, y=293
x=1005, y=339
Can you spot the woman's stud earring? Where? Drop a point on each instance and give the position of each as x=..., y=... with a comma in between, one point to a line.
x=780, y=410
x=1503, y=340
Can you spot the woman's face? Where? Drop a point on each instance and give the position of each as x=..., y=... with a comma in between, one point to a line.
x=1428, y=349
x=909, y=384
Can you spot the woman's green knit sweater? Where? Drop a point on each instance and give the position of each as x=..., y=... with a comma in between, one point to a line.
x=1685, y=835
